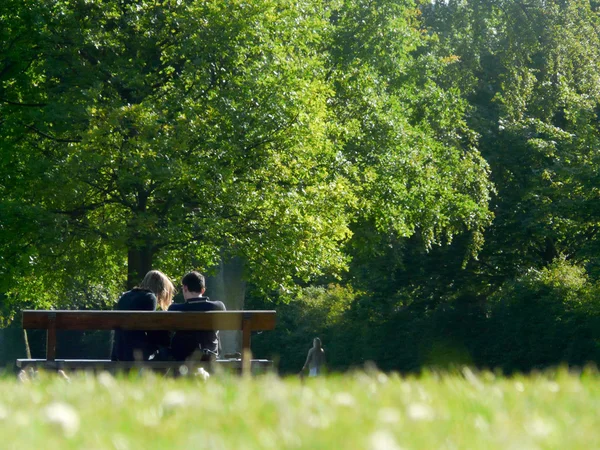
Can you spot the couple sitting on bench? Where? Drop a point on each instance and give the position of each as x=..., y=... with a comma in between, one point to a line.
x=157, y=290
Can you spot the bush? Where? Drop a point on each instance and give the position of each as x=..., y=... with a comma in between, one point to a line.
x=317, y=311
x=542, y=318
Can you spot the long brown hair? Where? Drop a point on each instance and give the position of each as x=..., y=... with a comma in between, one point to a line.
x=318, y=352
x=159, y=283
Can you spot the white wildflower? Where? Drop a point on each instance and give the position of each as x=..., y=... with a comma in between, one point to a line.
x=173, y=399
x=388, y=415
x=420, y=411
x=149, y=417
x=106, y=379
x=481, y=424
x=538, y=427
x=382, y=378
x=318, y=421
x=383, y=440
x=344, y=399
x=63, y=415
x=423, y=394
x=406, y=387
x=120, y=442
x=472, y=378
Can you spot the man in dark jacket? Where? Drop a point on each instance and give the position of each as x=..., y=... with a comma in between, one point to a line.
x=195, y=344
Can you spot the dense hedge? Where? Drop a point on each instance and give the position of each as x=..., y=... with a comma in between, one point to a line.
x=541, y=319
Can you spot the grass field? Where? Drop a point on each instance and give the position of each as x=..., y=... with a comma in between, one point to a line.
x=356, y=411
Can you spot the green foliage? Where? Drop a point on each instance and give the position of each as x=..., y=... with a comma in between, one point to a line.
x=545, y=317
x=530, y=72
x=140, y=135
x=169, y=132
x=561, y=282
x=315, y=311
x=416, y=160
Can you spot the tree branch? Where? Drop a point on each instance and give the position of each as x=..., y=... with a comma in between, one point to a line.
x=78, y=211
x=52, y=138
x=30, y=105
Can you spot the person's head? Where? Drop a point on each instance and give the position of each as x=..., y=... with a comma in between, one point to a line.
x=317, y=342
x=159, y=283
x=193, y=285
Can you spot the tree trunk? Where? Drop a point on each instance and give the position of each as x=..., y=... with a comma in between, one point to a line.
x=139, y=263
x=229, y=286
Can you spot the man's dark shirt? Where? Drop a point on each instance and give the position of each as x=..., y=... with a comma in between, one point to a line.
x=127, y=345
x=185, y=343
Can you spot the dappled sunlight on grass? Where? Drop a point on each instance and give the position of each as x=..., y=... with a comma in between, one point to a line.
x=466, y=409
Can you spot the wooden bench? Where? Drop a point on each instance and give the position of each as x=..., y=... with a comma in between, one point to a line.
x=51, y=321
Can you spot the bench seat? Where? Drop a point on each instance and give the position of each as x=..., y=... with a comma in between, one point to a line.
x=229, y=365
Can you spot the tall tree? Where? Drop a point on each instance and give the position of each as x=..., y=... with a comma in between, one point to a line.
x=530, y=70
x=528, y=74
x=168, y=131
x=419, y=171
x=139, y=134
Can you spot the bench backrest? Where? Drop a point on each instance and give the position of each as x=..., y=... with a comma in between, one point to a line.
x=148, y=320
x=246, y=321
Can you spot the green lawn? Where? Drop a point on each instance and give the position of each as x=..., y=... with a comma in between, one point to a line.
x=357, y=411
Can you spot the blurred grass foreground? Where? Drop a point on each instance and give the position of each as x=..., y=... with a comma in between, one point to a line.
x=368, y=410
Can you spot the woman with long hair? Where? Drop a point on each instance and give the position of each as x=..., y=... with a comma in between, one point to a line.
x=155, y=290
x=315, y=360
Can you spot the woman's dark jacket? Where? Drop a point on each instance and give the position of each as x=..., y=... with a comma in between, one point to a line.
x=137, y=345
